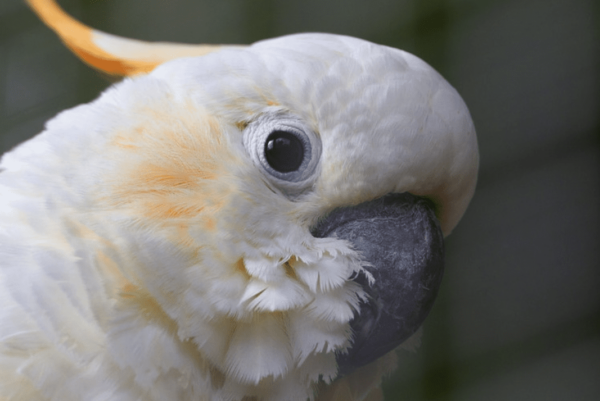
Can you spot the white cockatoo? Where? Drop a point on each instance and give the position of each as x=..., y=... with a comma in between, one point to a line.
x=229, y=223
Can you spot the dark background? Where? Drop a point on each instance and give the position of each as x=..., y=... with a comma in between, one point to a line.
x=518, y=317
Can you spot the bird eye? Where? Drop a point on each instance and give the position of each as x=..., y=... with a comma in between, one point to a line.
x=285, y=149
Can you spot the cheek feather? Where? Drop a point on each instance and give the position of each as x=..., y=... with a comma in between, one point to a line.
x=173, y=167
x=111, y=272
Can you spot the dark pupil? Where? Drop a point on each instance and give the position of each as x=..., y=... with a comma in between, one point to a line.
x=284, y=151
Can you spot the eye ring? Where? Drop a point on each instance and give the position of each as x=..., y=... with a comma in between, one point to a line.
x=286, y=150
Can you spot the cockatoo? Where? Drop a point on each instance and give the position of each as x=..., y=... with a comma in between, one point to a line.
x=241, y=223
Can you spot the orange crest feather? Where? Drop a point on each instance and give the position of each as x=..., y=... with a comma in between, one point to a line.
x=112, y=54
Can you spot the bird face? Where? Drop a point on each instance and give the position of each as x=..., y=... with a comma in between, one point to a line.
x=257, y=221
x=235, y=200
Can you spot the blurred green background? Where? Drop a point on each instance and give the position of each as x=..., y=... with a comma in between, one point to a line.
x=518, y=317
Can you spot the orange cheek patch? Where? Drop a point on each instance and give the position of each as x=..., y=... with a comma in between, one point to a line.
x=111, y=271
x=128, y=291
x=174, y=165
x=174, y=175
x=209, y=224
x=166, y=209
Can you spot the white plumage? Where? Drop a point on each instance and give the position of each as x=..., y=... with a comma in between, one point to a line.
x=146, y=253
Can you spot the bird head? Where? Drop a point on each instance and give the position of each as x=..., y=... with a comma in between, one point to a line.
x=276, y=211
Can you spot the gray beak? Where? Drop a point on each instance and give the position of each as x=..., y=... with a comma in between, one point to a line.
x=400, y=237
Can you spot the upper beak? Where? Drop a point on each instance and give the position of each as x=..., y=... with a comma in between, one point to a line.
x=400, y=238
